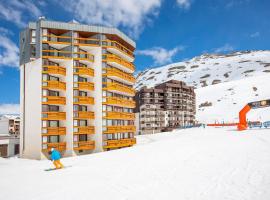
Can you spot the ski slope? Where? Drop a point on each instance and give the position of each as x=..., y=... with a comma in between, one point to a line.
x=229, y=98
x=194, y=164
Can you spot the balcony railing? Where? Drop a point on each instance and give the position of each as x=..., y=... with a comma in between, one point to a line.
x=55, y=100
x=56, y=54
x=84, y=86
x=58, y=85
x=50, y=69
x=84, y=71
x=119, y=143
x=84, y=115
x=84, y=145
x=87, y=41
x=54, y=131
x=120, y=75
x=83, y=56
x=84, y=130
x=118, y=88
x=120, y=129
x=53, y=115
x=60, y=146
x=119, y=47
x=110, y=58
x=120, y=115
x=56, y=39
x=120, y=102
x=83, y=100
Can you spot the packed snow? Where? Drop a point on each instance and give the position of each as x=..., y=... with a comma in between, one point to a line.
x=195, y=164
x=209, y=69
x=222, y=102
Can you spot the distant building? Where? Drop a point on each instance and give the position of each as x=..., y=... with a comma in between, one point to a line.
x=9, y=145
x=165, y=107
x=9, y=124
x=9, y=135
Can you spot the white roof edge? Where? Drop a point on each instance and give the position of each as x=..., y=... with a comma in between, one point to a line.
x=83, y=27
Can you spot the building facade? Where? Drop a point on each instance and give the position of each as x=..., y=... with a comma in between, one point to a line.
x=76, y=89
x=165, y=107
x=10, y=124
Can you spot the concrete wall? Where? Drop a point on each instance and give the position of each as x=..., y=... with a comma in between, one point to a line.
x=32, y=118
x=4, y=126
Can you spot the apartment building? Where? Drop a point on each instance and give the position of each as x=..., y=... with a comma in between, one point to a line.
x=10, y=124
x=76, y=89
x=166, y=106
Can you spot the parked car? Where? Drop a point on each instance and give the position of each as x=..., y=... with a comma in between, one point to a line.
x=266, y=124
x=255, y=124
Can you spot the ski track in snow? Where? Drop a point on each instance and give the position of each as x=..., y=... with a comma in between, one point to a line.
x=196, y=164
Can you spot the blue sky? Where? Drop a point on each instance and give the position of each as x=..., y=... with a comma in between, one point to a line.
x=165, y=31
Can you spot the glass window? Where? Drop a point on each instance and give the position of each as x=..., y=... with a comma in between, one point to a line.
x=53, y=139
x=44, y=139
x=83, y=137
x=53, y=123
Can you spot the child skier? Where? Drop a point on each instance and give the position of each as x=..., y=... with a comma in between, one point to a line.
x=55, y=158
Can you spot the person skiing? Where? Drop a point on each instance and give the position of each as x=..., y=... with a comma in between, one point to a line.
x=55, y=158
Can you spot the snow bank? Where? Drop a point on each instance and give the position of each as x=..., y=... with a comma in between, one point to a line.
x=197, y=164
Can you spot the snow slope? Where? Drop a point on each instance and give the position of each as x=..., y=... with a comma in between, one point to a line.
x=196, y=164
x=229, y=98
x=209, y=69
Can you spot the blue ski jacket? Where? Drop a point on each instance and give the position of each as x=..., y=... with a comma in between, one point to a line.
x=55, y=155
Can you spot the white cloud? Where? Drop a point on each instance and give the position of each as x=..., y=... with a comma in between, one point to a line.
x=159, y=54
x=254, y=35
x=18, y=12
x=225, y=48
x=9, y=108
x=184, y=3
x=132, y=15
x=9, y=51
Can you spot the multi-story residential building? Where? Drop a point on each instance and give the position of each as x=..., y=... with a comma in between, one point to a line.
x=76, y=89
x=10, y=124
x=166, y=106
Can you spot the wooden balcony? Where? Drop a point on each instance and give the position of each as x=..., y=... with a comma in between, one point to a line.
x=53, y=116
x=83, y=56
x=50, y=69
x=120, y=76
x=54, y=131
x=111, y=144
x=60, y=146
x=84, y=115
x=86, y=42
x=83, y=100
x=84, y=130
x=84, y=86
x=119, y=63
x=84, y=145
x=116, y=101
x=120, y=129
x=120, y=89
x=84, y=71
x=120, y=115
x=56, y=39
x=54, y=100
x=56, y=54
x=54, y=85
x=119, y=49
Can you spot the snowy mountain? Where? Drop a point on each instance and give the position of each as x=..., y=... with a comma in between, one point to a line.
x=195, y=164
x=225, y=83
x=222, y=102
x=209, y=69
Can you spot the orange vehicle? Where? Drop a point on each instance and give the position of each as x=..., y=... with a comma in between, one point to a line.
x=242, y=125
